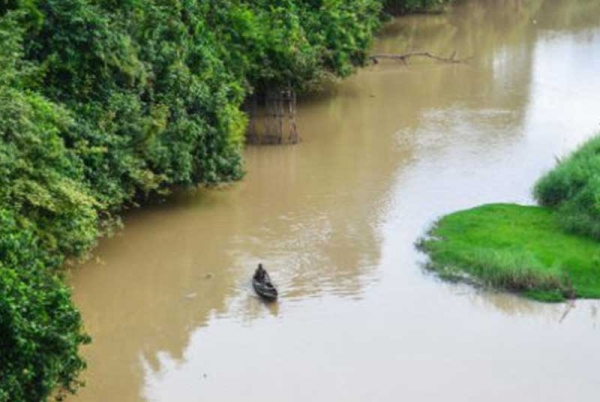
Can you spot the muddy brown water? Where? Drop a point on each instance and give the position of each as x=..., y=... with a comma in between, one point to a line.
x=168, y=300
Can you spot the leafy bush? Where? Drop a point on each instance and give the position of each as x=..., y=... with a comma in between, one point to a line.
x=573, y=188
x=293, y=42
x=46, y=212
x=40, y=329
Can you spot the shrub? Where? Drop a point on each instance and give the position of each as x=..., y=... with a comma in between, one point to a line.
x=573, y=188
x=40, y=329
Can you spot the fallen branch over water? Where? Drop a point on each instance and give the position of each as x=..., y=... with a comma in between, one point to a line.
x=405, y=56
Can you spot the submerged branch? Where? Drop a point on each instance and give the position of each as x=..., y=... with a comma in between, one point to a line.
x=405, y=56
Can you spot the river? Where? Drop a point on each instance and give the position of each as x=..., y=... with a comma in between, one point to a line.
x=334, y=219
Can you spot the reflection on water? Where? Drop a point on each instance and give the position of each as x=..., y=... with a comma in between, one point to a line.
x=334, y=219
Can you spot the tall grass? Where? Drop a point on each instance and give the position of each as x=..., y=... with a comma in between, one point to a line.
x=573, y=189
x=511, y=270
x=518, y=271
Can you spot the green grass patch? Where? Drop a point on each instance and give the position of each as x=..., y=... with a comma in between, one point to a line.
x=517, y=248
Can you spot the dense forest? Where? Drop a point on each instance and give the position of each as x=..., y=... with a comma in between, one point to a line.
x=104, y=103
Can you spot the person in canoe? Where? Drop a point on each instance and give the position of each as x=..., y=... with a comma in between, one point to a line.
x=260, y=274
x=262, y=284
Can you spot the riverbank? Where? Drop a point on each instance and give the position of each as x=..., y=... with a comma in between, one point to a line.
x=515, y=248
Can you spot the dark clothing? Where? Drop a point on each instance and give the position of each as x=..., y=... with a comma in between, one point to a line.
x=260, y=274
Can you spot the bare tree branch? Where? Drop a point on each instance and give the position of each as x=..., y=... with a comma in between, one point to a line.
x=403, y=58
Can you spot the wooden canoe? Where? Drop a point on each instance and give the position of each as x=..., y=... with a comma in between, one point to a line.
x=265, y=289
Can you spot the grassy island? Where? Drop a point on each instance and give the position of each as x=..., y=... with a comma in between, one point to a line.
x=547, y=253
x=517, y=248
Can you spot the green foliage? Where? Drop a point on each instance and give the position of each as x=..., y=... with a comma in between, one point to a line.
x=40, y=330
x=573, y=188
x=516, y=248
x=269, y=44
x=46, y=212
x=341, y=32
x=40, y=179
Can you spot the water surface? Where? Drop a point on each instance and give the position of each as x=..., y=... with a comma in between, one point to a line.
x=334, y=219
